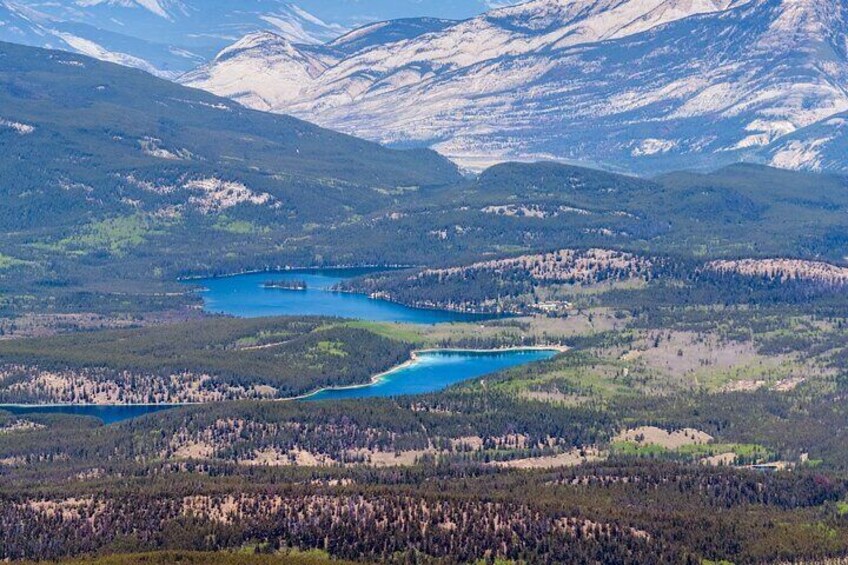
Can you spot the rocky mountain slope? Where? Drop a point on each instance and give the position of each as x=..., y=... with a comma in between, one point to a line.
x=171, y=37
x=639, y=86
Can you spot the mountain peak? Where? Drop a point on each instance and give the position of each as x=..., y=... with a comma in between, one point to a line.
x=265, y=44
x=267, y=41
x=260, y=69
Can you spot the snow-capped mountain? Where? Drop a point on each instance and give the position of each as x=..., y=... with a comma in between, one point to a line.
x=264, y=70
x=166, y=37
x=640, y=85
x=171, y=37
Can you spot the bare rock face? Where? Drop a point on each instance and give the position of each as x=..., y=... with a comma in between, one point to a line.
x=642, y=86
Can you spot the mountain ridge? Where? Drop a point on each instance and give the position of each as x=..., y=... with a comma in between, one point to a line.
x=164, y=37
x=643, y=87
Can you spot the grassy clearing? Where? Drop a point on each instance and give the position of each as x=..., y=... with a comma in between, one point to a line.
x=333, y=348
x=767, y=370
x=399, y=332
x=115, y=236
x=747, y=452
x=239, y=227
x=602, y=381
x=632, y=449
x=506, y=331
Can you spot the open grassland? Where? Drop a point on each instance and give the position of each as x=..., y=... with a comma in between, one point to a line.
x=506, y=332
x=715, y=357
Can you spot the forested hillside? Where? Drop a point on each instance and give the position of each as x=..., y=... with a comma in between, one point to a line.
x=210, y=360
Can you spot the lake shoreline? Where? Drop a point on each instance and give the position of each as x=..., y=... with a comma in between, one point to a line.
x=90, y=405
x=290, y=270
x=474, y=316
x=415, y=357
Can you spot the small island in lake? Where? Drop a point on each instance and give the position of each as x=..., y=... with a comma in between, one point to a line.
x=285, y=285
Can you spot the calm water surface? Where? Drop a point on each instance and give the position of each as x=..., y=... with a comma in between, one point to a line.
x=245, y=296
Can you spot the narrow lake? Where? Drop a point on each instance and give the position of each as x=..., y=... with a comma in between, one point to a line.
x=246, y=296
x=431, y=371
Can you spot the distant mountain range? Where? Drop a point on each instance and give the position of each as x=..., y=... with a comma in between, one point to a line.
x=109, y=173
x=636, y=86
x=642, y=86
x=165, y=37
x=170, y=37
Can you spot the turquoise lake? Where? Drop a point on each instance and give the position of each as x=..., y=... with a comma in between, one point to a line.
x=435, y=371
x=430, y=372
x=246, y=296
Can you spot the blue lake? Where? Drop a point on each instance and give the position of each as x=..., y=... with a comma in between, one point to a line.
x=435, y=371
x=245, y=296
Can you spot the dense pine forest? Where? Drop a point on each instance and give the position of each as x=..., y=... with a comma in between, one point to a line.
x=88, y=499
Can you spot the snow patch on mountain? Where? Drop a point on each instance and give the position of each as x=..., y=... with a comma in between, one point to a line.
x=152, y=147
x=92, y=49
x=653, y=146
